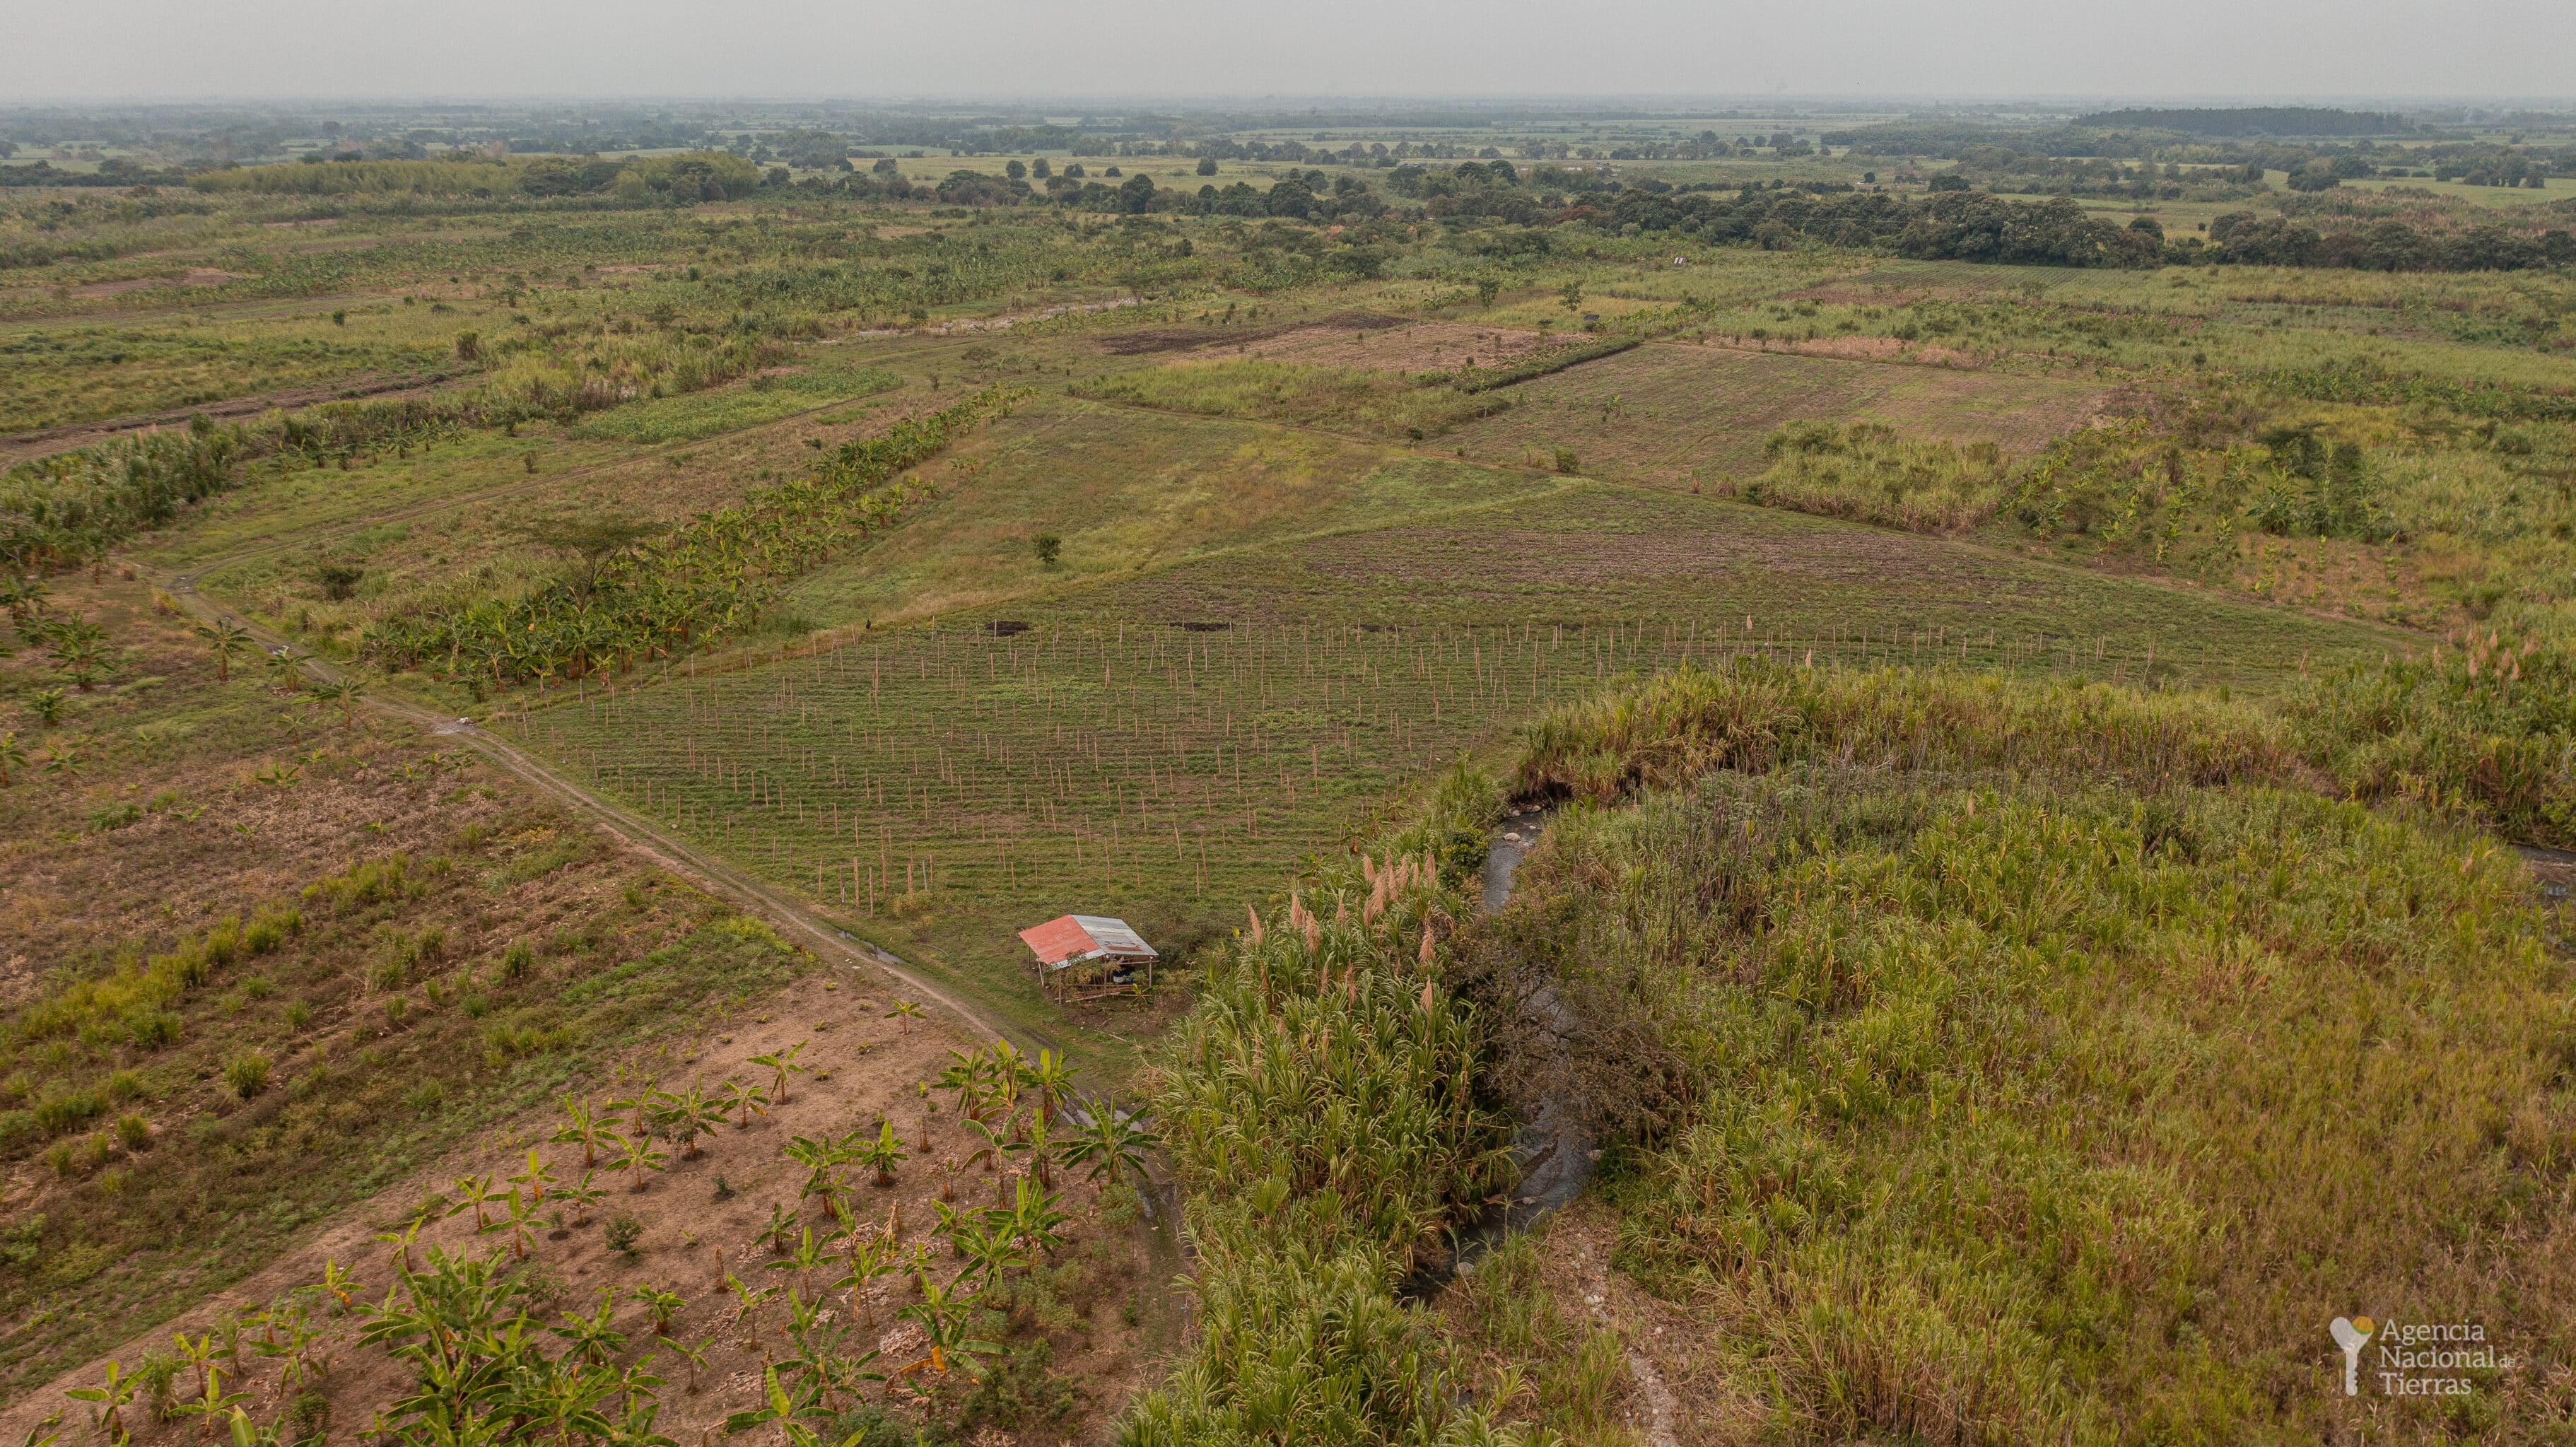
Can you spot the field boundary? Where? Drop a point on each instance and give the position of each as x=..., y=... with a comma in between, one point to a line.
x=711, y=874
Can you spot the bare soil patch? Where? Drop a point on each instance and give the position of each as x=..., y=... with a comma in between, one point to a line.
x=700, y=1220
x=193, y=276
x=1400, y=347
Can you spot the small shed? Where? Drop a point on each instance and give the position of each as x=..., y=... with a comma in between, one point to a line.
x=1090, y=957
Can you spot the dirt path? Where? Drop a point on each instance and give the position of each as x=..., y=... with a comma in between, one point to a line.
x=709, y=873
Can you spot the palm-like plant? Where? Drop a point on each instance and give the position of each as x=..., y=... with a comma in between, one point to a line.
x=475, y=1193
x=805, y=1258
x=1034, y=1219
x=781, y=1064
x=741, y=1100
x=582, y=1128
x=536, y=1177
x=345, y=692
x=661, y=1306
x=907, y=1011
x=882, y=1154
x=865, y=1257
x=946, y=1318
x=224, y=638
x=1052, y=1079
x=1038, y=1143
x=990, y=1252
x=822, y=1157
x=1112, y=1143
x=593, y=1338
x=285, y=670
x=111, y=1396
x=581, y=1196
x=634, y=1155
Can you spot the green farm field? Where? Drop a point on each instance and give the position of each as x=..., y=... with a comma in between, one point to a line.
x=616, y=616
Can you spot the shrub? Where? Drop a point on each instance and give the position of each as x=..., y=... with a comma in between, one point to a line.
x=309, y=1420
x=68, y=1110
x=623, y=1231
x=247, y=1073
x=134, y=1132
x=518, y=960
x=154, y=1029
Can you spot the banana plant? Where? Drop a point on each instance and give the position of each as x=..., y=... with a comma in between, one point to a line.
x=1052, y=1078
x=110, y=1395
x=781, y=1064
x=224, y=638
x=634, y=1155
x=777, y=1406
x=882, y=1155
x=662, y=1307
x=593, y=1338
x=1112, y=1143
x=864, y=1259
x=581, y=1196
x=536, y=1177
x=741, y=1099
x=945, y=1318
x=584, y=1128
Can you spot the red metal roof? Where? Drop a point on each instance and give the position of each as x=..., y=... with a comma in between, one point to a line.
x=1061, y=941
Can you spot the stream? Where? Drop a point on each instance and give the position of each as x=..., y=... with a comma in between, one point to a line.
x=1555, y=1153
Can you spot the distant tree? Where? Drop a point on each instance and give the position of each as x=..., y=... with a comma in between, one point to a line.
x=1040, y=169
x=1050, y=547
x=1207, y=165
x=1137, y=195
x=1016, y=170
x=886, y=166
x=1112, y=171
x=1949, y=181
x=591, y=540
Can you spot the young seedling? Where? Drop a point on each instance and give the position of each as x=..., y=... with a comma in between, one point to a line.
x=781, y=1064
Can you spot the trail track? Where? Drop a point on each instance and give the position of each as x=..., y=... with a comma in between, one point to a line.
x=707, y=871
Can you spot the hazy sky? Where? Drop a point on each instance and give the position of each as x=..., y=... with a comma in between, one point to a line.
x=2177, y=49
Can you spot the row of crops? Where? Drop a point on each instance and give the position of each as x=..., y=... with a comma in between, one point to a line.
x=1118, y=763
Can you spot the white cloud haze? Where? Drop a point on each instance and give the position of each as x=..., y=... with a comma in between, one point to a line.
x=999, y=49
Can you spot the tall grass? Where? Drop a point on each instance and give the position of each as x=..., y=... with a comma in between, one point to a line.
x=1761, y=714
x=2488, y=731
x=1322, y=1109
x=1866, y=472
x=2047, y=1108
x=1381, y=403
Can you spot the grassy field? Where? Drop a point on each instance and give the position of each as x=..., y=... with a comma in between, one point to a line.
x=1679, y=415
x=1165, y=743
x=1202, y=612
x=2000, y=1065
